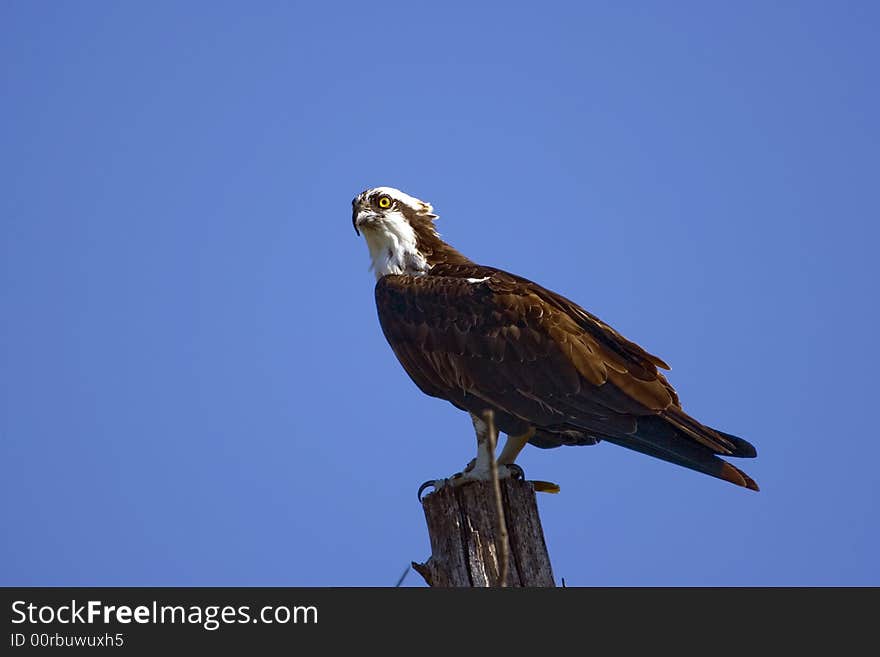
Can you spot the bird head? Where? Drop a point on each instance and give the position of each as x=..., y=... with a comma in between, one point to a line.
x=398, y=229
x=381, y=209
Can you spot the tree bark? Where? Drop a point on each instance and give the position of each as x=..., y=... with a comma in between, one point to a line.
x=465, y=542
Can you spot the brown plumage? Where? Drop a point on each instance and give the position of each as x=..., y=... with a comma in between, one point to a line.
x=481, y=338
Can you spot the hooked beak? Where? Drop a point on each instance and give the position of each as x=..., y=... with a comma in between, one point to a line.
x=358, y=219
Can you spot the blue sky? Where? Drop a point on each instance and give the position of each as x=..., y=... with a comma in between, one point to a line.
x=194, y=388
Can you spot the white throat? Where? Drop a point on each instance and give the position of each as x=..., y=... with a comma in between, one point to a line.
x=392, y=244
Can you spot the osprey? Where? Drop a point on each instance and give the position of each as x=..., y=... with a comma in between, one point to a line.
x=552, y=373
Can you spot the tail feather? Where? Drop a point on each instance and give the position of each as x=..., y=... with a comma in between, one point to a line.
x=719, y=442
x=736, y=476
x=662, y=440
x=744, y=449
x=705, y=462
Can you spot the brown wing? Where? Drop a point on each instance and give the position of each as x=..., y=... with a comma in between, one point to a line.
x=631, y=369
x=480, y=337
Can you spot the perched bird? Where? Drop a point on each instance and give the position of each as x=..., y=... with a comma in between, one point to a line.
x=552, y=373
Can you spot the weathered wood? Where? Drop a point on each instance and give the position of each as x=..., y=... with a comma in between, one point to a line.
x=463, y=526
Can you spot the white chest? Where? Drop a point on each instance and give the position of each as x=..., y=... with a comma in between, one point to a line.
x=393, y=247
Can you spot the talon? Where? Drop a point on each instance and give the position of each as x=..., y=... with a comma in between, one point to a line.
x=427, y=484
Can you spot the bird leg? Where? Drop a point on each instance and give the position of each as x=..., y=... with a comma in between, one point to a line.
x=514, y=446
x=479, y=469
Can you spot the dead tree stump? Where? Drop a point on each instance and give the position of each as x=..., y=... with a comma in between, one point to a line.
x=465, y=542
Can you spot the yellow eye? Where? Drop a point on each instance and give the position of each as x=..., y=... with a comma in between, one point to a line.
x=384, y=202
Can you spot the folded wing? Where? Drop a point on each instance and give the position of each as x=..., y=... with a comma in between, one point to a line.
x=480, y=337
